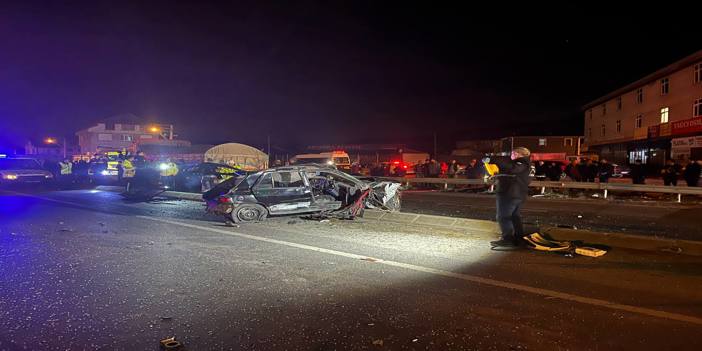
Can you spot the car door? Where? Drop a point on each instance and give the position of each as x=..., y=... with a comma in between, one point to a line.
x=283, y=192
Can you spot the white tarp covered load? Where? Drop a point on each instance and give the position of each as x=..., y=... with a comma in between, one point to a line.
x=240, y=155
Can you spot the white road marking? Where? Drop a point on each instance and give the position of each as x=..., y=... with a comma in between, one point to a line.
x=444, y=273
x=439, y=272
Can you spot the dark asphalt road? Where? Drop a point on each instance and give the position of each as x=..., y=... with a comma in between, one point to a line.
x=658, y=218
x=82, y=270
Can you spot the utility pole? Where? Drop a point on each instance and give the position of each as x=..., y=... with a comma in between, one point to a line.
x=435, y=156
x=268, y=150
x=64, y=148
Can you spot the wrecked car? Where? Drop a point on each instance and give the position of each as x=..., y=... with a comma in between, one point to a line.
x=318, y=190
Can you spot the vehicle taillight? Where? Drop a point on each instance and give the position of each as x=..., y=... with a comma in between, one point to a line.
x=224, y=200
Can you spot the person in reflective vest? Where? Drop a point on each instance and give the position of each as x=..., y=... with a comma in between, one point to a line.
x=66, y=172
x=128, y=167
x=168, y=172
x=66, y=167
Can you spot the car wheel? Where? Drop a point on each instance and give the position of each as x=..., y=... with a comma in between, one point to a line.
x=248, y=213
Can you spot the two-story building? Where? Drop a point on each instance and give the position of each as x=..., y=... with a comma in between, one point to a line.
x=656, y=118
x=552, y=148
x=125, y=132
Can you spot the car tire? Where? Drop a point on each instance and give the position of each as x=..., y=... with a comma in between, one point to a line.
x=248, y=213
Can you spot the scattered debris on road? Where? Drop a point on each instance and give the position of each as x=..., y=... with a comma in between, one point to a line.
x=231, y=224
x=589, y=251
x=675, y=250
x=541, y=243
x=171, y=344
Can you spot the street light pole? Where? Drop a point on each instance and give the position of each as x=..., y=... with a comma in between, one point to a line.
x=268, y=150
x=435, y=156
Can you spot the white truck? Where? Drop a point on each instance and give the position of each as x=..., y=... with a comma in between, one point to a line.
x=339, y=159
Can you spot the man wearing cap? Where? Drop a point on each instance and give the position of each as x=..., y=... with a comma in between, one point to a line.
x=511, y=192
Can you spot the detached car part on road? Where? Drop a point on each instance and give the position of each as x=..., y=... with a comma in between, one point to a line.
x=318, y=190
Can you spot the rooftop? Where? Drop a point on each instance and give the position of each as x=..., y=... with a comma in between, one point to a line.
x=665, y=71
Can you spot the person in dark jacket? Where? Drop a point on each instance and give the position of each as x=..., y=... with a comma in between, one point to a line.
x=434, y=169
x=572, y=171
x=452, y=169
x=692, y=173
x=540, y=170
x=474, y=170
x=419, y=169
x=582, y=170
x=638, y=173
x=512, y=190
x=590, y=171
x=426, y=168
x=670, y=172
x=554, y=171
x=605, y=171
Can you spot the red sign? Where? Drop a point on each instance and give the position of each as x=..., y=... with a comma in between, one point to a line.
x=654, y=131
x=548, y=156
x=692, y=125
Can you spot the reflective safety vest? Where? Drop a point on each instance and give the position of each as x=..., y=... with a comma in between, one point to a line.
x=66, y=168
x=128, y=169
x=225, y=173
x=170, y=171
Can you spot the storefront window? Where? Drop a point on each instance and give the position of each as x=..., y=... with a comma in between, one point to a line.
x=640, y=154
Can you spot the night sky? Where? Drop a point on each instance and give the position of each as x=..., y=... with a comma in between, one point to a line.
x=316, y=73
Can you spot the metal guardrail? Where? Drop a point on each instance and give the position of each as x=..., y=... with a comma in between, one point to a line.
x=604, y=187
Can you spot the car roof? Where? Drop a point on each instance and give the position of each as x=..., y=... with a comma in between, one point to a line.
x=305, y=167
x=18, y=158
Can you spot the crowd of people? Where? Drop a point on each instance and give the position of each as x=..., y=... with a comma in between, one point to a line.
x=578, y=170
x=588, y=170
x=84, y=170
x=429, y=168
x=690, y=172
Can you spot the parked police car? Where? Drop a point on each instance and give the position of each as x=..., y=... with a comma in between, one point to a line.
x=22, y=170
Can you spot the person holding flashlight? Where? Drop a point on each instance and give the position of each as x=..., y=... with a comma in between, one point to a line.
x=511, y=192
